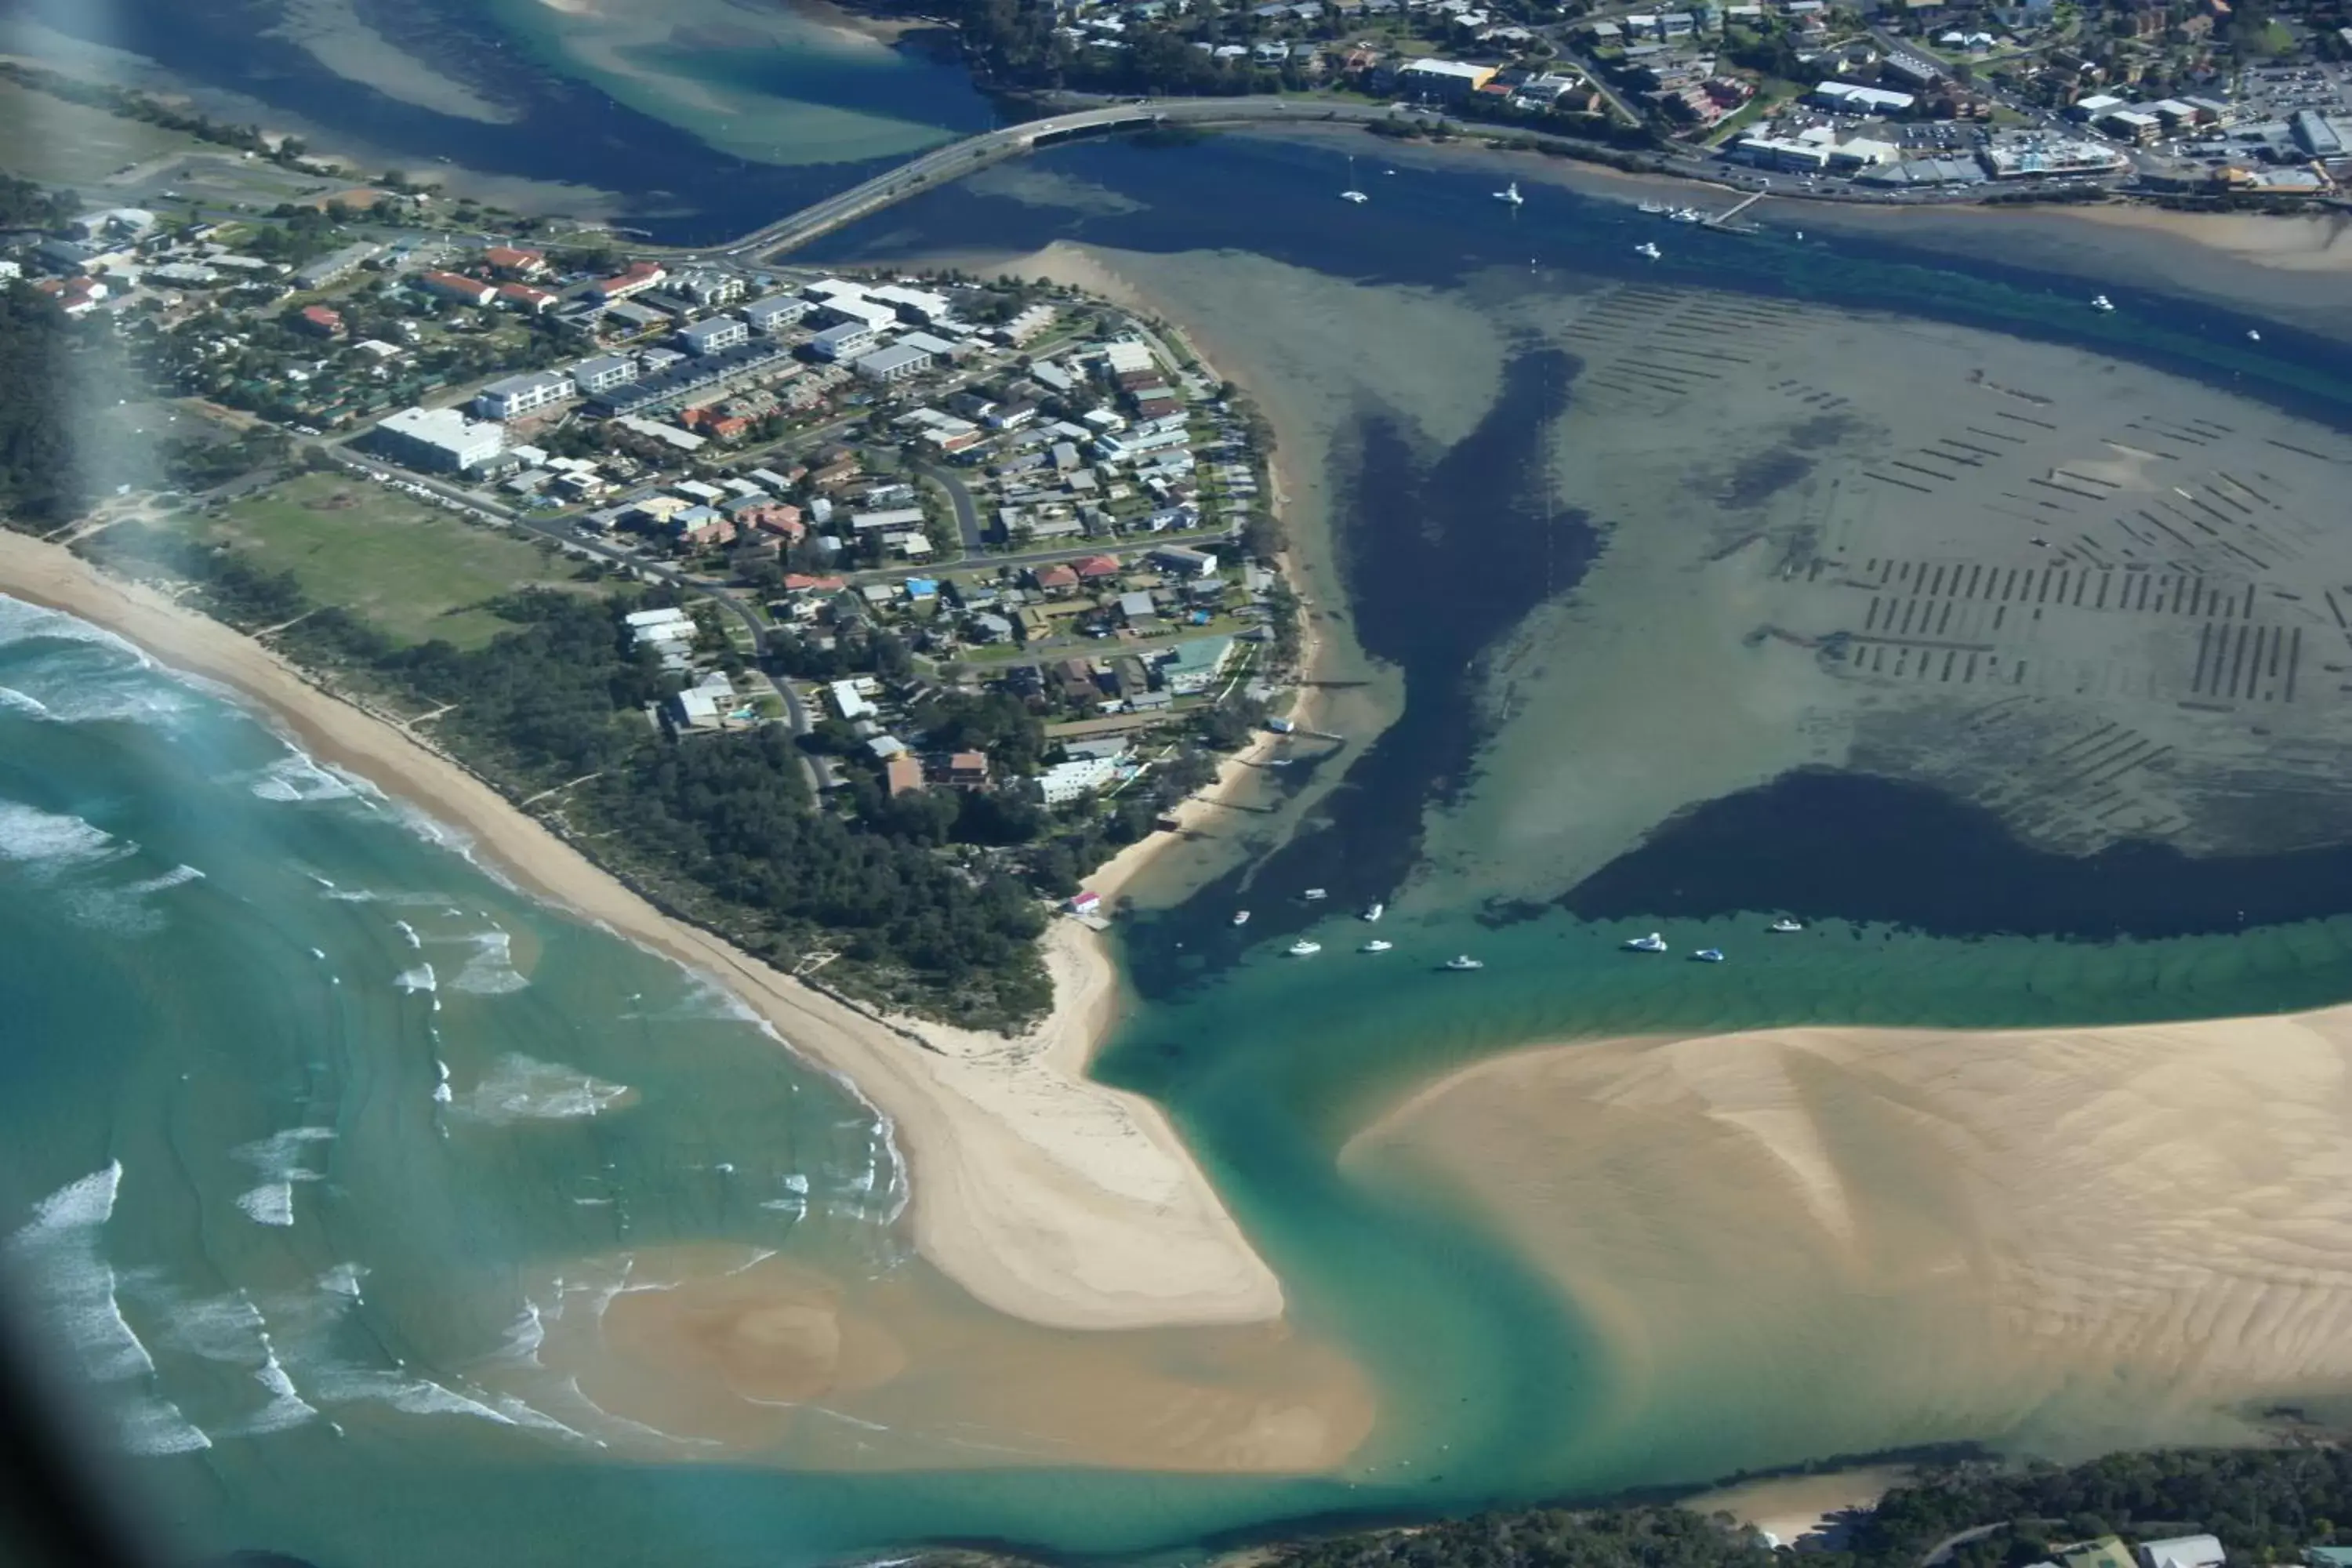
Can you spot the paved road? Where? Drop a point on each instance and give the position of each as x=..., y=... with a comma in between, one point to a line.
x=966, y=515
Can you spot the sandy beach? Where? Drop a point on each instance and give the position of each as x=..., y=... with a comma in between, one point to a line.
x=1046, y=1196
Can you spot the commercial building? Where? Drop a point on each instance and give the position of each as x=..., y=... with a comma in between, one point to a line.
x=1028, y=324
x=2314, y=133
x=921, y=306
x=636, y=278
x=892, y=364
x=334, y=265
x=2136, y=126
x=603, y=374
x=1442, y=79
x=440, y=440
x=1851, y=99
x=453, y=286
x=1783, y=152
x=708, y=337
x=1065, y=782
x=775, y=313
x=1184, y=561
x=690, y=377
x=870, y=312
x=519, y=395
x=2036, y=157
x=844, y=342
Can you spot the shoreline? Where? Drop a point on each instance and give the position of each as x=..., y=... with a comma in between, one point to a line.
x=1045, y=1196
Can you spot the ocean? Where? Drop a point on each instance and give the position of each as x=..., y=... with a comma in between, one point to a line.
x=387, y=1213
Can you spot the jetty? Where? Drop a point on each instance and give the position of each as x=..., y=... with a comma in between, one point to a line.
x=1729, y=218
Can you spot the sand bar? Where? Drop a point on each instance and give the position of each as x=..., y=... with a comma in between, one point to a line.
x=1046, y=1196
x=1846, y=1239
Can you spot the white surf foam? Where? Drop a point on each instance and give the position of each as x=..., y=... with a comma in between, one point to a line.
x=270, y=1203
x=23, y=702
x=418, y=979
x=279, y=1157
x=519, y=1089
x=491, y=972
x=150, y=1426
x=23, y=622
x=343, y=1281
x=297, y=777
x=48, y=840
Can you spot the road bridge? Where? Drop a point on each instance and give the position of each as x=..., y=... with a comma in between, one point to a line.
x=944, y=165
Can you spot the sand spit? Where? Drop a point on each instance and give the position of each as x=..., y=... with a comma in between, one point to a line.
x=2068, y=1238
x=1046, y=1196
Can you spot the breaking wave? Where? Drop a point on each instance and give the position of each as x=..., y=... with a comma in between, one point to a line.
x=519, y=1089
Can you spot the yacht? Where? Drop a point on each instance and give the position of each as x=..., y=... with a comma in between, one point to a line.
x=1653, y=942
x=2252, y=336
x=1303, y=948
x=1352, y=194
x=1685, y=214
x=1317, y=895
x=2101, y=302
x=1510, y=194
x=1648, y=248
x=1465, y=962
x=1375, y=911
x=1241, y=917
x=1784, y=925
x=1708, y=956
x=1376, y=945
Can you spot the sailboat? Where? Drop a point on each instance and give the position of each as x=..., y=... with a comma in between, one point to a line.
x=2101, y=302
x=1375, y=909
x=1785, y=925
x=1510, y=194
x=1352, y=194
x=1376, y=945
x=1653, y=942
x=1648, y=248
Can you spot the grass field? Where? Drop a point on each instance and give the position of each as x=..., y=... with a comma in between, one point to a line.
x=60, y=144
x=412, y=570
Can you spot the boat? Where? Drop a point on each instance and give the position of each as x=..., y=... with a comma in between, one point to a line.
x=1708, y=956
x=1375, y=911
x=1352, y=194
x=1241, y=917
x=1317, y=895
x=1376, y=945
x=1464, y=961
x=2252, y=336
x=1784, y=925
x=1685, y=214
x=1655, y=208
x=1649, y=250
x=1653, y=942
x=1303, y=948
x=1510, y=194
x=2101, y=302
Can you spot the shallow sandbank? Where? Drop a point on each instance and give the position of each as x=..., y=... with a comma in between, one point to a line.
x=1048, y=1197
x=1841, y=1240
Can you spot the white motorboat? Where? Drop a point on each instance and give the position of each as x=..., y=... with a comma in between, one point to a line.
x=1708, y=956
x=1375, y=911
x=1653, y=942
x=1648, y=248
x=1317, y=895
x=1510, y=194
x=1241, y=917
x=1352, y=194
x=1376, y=945
x=1685, y=214
x=2101, y=302
x=1784, y=925
x=1465, y=962
x=2252, y=336
x=1303, y=948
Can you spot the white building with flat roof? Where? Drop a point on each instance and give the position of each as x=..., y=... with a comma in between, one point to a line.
x=1856, y=99
x=441, y=440
x=895, y=363
x=517, y=395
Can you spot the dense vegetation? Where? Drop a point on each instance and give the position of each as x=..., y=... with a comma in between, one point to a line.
x=2266, y=1505
x=41, y=484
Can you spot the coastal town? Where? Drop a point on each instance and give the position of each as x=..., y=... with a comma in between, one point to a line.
x=997, y=562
